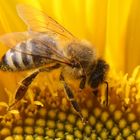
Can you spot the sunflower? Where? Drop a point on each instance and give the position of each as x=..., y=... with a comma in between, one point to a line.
x=45, y=112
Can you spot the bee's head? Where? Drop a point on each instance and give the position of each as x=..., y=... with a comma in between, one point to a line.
x=98, y=73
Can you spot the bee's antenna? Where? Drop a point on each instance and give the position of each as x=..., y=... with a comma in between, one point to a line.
x=106, y=92
x=0, y=65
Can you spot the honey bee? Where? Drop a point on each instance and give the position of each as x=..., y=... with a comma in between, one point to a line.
x=47, y=42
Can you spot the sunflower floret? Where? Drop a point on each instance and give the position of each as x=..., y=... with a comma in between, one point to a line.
x=117, y=115
x=87, y=129
x=104, y=134
x=138, y=134
x=60, y=125
x=135, y=126
x=60, y=134
x=93, y=136
x=122, y=123
x=39, y=130
x=109, y=124
x=29, y=130
x=114, y=131
x=18, y=137
x=50, y=133
x=29, y=137
x=29, y=121
x=99, y=127
x=78, y=134
x=9, y=138
x=104, y=116
x=126, y=132
x=17, y=130
x=131, y=137
x=40, y=122
x=92, y=120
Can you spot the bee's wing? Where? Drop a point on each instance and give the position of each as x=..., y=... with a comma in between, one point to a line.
x=12, y=39
x=38, y=21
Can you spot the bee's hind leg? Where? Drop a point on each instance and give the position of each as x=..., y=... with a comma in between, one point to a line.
x=26, y=82
x=71, y=98
x=20, y=92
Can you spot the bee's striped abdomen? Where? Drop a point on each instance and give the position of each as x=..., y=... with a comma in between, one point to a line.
x=29, y=54
x=6, y=63
x=21, y=58
x=12, y=61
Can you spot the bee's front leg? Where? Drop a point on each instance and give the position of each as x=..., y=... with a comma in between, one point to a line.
x=71, y=97
x=82, y=82
x=83, y=77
